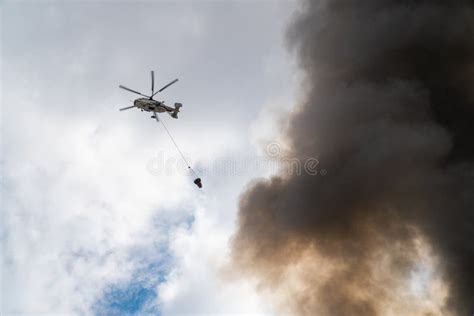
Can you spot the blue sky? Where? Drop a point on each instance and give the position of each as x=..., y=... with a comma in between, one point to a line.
x=132, y=298
x=138, y=295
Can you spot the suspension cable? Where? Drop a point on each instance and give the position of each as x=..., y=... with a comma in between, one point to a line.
x=177, y=147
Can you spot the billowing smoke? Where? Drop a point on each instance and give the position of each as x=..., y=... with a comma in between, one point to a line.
x=388, y=109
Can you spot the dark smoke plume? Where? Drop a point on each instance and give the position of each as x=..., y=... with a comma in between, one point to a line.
x=388, y=109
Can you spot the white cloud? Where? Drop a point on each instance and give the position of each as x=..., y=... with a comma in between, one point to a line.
x=78, y=195
x=77, y=199
x=198, y=284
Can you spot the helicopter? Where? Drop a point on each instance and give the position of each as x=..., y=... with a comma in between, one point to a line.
x=150, y=105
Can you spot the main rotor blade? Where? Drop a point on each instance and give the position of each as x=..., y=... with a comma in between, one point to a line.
x=152, y=82
x=169, y=84
x=128, y=107
x=128, y=89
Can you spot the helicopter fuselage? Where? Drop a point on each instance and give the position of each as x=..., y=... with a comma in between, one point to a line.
x=148, y=105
